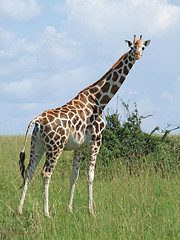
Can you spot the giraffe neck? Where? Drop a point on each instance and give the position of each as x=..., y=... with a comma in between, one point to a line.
x=102, y=91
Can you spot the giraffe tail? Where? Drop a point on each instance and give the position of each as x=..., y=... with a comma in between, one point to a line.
x=22, y=153
x=22, y=166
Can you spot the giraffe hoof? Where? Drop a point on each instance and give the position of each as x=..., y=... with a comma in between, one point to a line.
x=69, y=210
x=47, y=215
x=19, y=211
x=91, y=213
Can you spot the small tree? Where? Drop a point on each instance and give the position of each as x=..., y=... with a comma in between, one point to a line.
x=127, y=141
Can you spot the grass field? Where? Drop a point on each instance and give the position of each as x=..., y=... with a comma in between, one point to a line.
x=127, y=207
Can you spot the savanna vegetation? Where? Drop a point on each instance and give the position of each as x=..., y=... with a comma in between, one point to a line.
x=136, y=188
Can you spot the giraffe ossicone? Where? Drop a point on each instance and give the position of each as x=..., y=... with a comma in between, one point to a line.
x=74, y=126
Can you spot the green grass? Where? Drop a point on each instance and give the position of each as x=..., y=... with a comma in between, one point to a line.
x=127, y=207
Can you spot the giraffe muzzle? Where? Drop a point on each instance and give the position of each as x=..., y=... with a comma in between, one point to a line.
x=137, y=56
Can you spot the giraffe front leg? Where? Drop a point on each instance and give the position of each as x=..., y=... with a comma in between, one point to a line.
x=90, y=190
x=90, y=172
x=74, y=176
x=46, y=176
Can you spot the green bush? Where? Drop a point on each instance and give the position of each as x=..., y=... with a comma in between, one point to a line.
x=126, y=143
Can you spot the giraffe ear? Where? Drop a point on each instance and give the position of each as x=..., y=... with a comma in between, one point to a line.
x=129, y=43
x=146, y=43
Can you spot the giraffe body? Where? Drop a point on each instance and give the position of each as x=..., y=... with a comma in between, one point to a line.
x=74, y=126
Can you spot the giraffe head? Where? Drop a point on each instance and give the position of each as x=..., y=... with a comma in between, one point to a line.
x=137, y=47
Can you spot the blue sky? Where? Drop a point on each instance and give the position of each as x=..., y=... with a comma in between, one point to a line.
x=51, y=50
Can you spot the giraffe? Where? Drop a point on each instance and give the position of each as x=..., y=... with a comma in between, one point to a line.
x=74, y=126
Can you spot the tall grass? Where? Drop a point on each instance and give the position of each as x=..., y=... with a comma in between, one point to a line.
x=143, y=206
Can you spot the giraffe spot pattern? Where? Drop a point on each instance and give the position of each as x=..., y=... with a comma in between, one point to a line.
x=106, y=87
x=53, y=125
x=81, y=114
x=61, y=131
x=130, y=65
x=114, y=89
x=115, y=77
x=126, y=71
x=64, y=123
x=119, y=65
x=101, y=83
x=86, y=93
x=83, y=98
x=120, y=71
x=47, y=128
x=94, y=90
x=130, y=58
x=81, y=105
x=122, y=79
x=63, y=115
x=87, y=112
x=51, y=134
x=58, y=122
x=109, y=77
x=105, y=99
x=75, y=119
x=78, y=125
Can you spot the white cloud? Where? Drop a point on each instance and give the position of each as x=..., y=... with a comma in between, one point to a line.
x=21, y=89
x=106, y=18
x=58, y=45
x=11, y=46
x=50, y=50
x=19, y=10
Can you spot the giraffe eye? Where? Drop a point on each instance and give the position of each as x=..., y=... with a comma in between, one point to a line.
x=143, y=48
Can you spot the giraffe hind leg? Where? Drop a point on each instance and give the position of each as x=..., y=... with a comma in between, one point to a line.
x=51, y=160
x=37, y=151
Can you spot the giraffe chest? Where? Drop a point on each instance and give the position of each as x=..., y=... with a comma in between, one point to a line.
x=77, y=140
